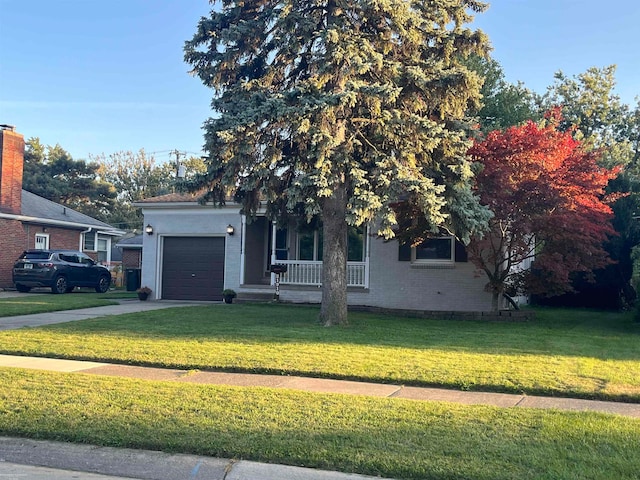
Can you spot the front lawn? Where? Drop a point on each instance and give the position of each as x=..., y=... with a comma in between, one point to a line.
x=393, y=438
x=28, y=303
x=563, y=352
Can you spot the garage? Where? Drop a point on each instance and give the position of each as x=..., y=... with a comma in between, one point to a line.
x=193, y=268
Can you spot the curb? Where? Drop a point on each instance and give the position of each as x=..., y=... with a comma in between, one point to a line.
x=151, y=465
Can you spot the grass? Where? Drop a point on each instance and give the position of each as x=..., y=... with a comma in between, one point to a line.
x=392, y=438
x=27, y=304
x=564, y=353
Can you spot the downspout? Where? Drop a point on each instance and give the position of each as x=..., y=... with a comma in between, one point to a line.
x=82, y=234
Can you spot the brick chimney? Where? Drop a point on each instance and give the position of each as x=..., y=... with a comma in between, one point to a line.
x=11, y=165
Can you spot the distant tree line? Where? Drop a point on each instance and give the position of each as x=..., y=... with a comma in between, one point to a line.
x=105, y=187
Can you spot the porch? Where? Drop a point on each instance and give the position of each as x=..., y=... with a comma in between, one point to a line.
x=307, y=272
x=264, y=244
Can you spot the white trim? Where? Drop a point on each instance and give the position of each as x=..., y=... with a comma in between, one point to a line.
x=274, y=229
x=107, y=249
x=46, y=221
x=46, y=240
x=243, y=246
x=83, y=242
x=367, y=255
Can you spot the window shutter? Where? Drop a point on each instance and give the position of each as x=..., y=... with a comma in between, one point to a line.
x=461, y=252
x=404, y=252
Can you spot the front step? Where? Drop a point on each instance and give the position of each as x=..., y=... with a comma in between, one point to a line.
x=254, y=297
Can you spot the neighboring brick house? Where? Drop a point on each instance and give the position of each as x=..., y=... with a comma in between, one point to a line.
x=131, y=248
x=131, y=252
x=30, y=221
x=193, y=251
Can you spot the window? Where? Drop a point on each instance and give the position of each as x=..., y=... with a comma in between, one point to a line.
x=89, y=242
x=435, y=250
x=36, y=255
x=282, y=252
x=281, y=245
x=67, y=257
x=102, y=250
x=85, y=260
x=310, y=245
x=355, y=244
x=42, y=241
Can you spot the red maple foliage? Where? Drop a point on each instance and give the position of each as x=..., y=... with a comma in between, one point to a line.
x=548, y=198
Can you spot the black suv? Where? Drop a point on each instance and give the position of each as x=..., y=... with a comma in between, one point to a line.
x=62, y=270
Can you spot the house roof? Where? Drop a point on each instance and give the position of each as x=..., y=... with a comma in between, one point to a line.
x=131, y=242
x=38, y=209
x=172, y=198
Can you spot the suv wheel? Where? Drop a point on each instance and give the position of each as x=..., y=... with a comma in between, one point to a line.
x=22, y=288
x=103, y=284
x=60, y=285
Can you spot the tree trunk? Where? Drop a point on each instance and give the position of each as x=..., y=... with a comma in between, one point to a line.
x=333, y=310
x=495, y=300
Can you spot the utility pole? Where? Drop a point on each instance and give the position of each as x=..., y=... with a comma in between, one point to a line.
x=179, y=168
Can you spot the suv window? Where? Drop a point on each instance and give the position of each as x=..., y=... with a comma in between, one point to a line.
x=85, y=260
x=36, y=255
x=68, y=258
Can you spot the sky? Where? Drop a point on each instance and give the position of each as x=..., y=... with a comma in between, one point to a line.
x=100, y=77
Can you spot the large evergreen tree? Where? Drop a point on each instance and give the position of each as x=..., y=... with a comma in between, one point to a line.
x=341, y=108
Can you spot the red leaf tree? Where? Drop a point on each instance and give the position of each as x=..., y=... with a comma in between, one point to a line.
x=547, y=195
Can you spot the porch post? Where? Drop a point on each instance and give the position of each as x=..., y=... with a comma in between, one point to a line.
x=273, y=250
x=367, y=249
x=243, y=241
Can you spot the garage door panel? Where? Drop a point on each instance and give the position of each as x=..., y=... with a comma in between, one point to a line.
x=193, y=268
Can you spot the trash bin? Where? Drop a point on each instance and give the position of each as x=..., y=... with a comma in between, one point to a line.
x=133, y=279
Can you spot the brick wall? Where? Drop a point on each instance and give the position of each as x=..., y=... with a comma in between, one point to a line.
x=16, y=237
x=131, y=258
x=11, y=165
x=13, y=241
x=59, y=238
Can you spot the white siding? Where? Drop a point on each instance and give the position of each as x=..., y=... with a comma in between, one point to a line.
x=393, y=284
x=403, y=285
x=190, y=222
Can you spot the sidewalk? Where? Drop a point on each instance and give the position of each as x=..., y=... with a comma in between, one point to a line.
x=322, y=385
x=125, y=306
x=140, y=464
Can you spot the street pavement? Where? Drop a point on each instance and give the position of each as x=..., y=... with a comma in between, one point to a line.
x=59, y=459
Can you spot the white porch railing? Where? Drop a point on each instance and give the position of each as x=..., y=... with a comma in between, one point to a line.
x=307, y=272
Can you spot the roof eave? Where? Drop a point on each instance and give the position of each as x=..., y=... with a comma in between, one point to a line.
x=46, y=221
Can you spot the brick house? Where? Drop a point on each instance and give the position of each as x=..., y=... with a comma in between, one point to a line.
x=131, y=248
x=193, y=251
x=30, y=221
x=131, y=252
